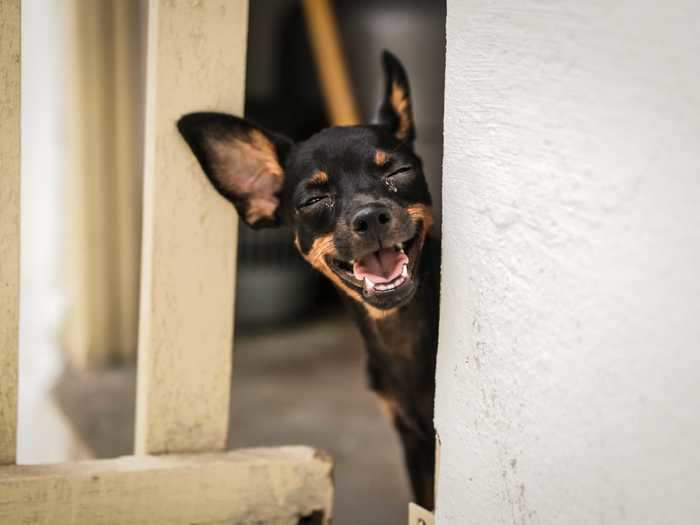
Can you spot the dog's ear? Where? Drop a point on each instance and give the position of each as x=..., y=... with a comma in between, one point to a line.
x=396, y=112
x=242, y=160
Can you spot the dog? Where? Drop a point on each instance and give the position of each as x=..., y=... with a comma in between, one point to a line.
x=358, y=202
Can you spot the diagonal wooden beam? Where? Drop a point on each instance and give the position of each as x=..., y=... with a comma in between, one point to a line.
x=330, y=61
x=9, y=223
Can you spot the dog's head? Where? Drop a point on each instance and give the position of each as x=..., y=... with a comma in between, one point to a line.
x=356, y=196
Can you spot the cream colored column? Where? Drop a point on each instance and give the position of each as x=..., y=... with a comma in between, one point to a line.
x=196, y=61
x=9, y=223
x=89, y=336
x=127, y=55
x=104, y=180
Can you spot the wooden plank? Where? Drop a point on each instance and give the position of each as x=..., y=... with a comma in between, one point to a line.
x=330, y=62
x=90, y=337
x=127, y=48
x=271, y=486
x=196, y=61
x=104, y=180
x=9, y=223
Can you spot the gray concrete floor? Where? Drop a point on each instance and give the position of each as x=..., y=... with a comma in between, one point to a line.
x=298, y=385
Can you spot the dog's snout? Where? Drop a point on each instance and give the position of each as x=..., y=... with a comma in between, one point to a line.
x=372, y=220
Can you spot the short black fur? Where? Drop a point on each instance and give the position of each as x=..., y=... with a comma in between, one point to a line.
x=358, y=200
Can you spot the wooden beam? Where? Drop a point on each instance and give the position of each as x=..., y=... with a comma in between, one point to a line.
x=127, y=50
x=9, y=223
x=104, y=180
x=195, y=61
x=271, y=486
x=330, y=62
x=89, y=333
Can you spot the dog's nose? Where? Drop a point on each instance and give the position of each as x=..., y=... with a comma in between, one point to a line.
x=372, y=220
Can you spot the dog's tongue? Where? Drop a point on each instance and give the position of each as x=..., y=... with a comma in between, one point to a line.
x=381, y=266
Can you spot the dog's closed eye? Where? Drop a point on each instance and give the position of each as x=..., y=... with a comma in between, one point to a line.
x=399, y=171
x=312, y=201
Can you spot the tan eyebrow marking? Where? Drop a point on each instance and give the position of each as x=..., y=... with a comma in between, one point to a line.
x=380, y=157
x=318, y=178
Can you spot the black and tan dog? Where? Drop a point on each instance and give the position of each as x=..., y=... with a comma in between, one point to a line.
x=359, y=204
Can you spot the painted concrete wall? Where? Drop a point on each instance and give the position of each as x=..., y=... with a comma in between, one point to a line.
x=569, y=366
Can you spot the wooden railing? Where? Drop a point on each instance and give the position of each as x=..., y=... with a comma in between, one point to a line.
x=180, y=473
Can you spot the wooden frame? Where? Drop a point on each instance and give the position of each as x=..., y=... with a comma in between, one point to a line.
x=196, y=56
x=271, y=486
x=9, y=223
x=104, y=180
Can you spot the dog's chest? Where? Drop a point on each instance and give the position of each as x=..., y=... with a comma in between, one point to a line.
x=401, y=364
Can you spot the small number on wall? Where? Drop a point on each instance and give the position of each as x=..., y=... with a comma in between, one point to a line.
x=417, y=515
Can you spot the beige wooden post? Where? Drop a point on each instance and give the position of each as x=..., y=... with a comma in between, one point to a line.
x=104, y=180
x=88, y=334
x=9, y=223
x=196, y=61
x=127, y=50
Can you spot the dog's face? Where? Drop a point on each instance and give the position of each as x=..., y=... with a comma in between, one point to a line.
x=356, y=196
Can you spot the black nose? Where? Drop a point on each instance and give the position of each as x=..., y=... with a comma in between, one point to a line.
x=371, y=220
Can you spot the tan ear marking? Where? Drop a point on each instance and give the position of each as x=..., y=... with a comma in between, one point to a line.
x=233, y=156
x=402, y=107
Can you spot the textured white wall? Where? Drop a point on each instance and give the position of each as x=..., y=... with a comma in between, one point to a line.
x=569, y=365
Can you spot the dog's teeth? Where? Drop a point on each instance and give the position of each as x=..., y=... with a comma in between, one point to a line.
x=404, y=271
x=369, y=285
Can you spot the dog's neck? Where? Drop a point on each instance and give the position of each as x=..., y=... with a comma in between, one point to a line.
x=402, y=345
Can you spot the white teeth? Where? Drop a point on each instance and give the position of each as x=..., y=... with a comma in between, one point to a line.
x=390, y=286
x=383, y=287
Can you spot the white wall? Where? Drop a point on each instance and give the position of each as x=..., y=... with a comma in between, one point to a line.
x=41, y=301
x=569, y=365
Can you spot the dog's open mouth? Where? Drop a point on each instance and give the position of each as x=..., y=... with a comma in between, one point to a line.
x=381, y=272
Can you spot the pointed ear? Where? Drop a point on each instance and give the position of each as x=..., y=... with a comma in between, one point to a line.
x=396, y=112
x=242, y=160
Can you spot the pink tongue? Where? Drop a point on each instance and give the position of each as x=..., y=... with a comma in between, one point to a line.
x=382, y=266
